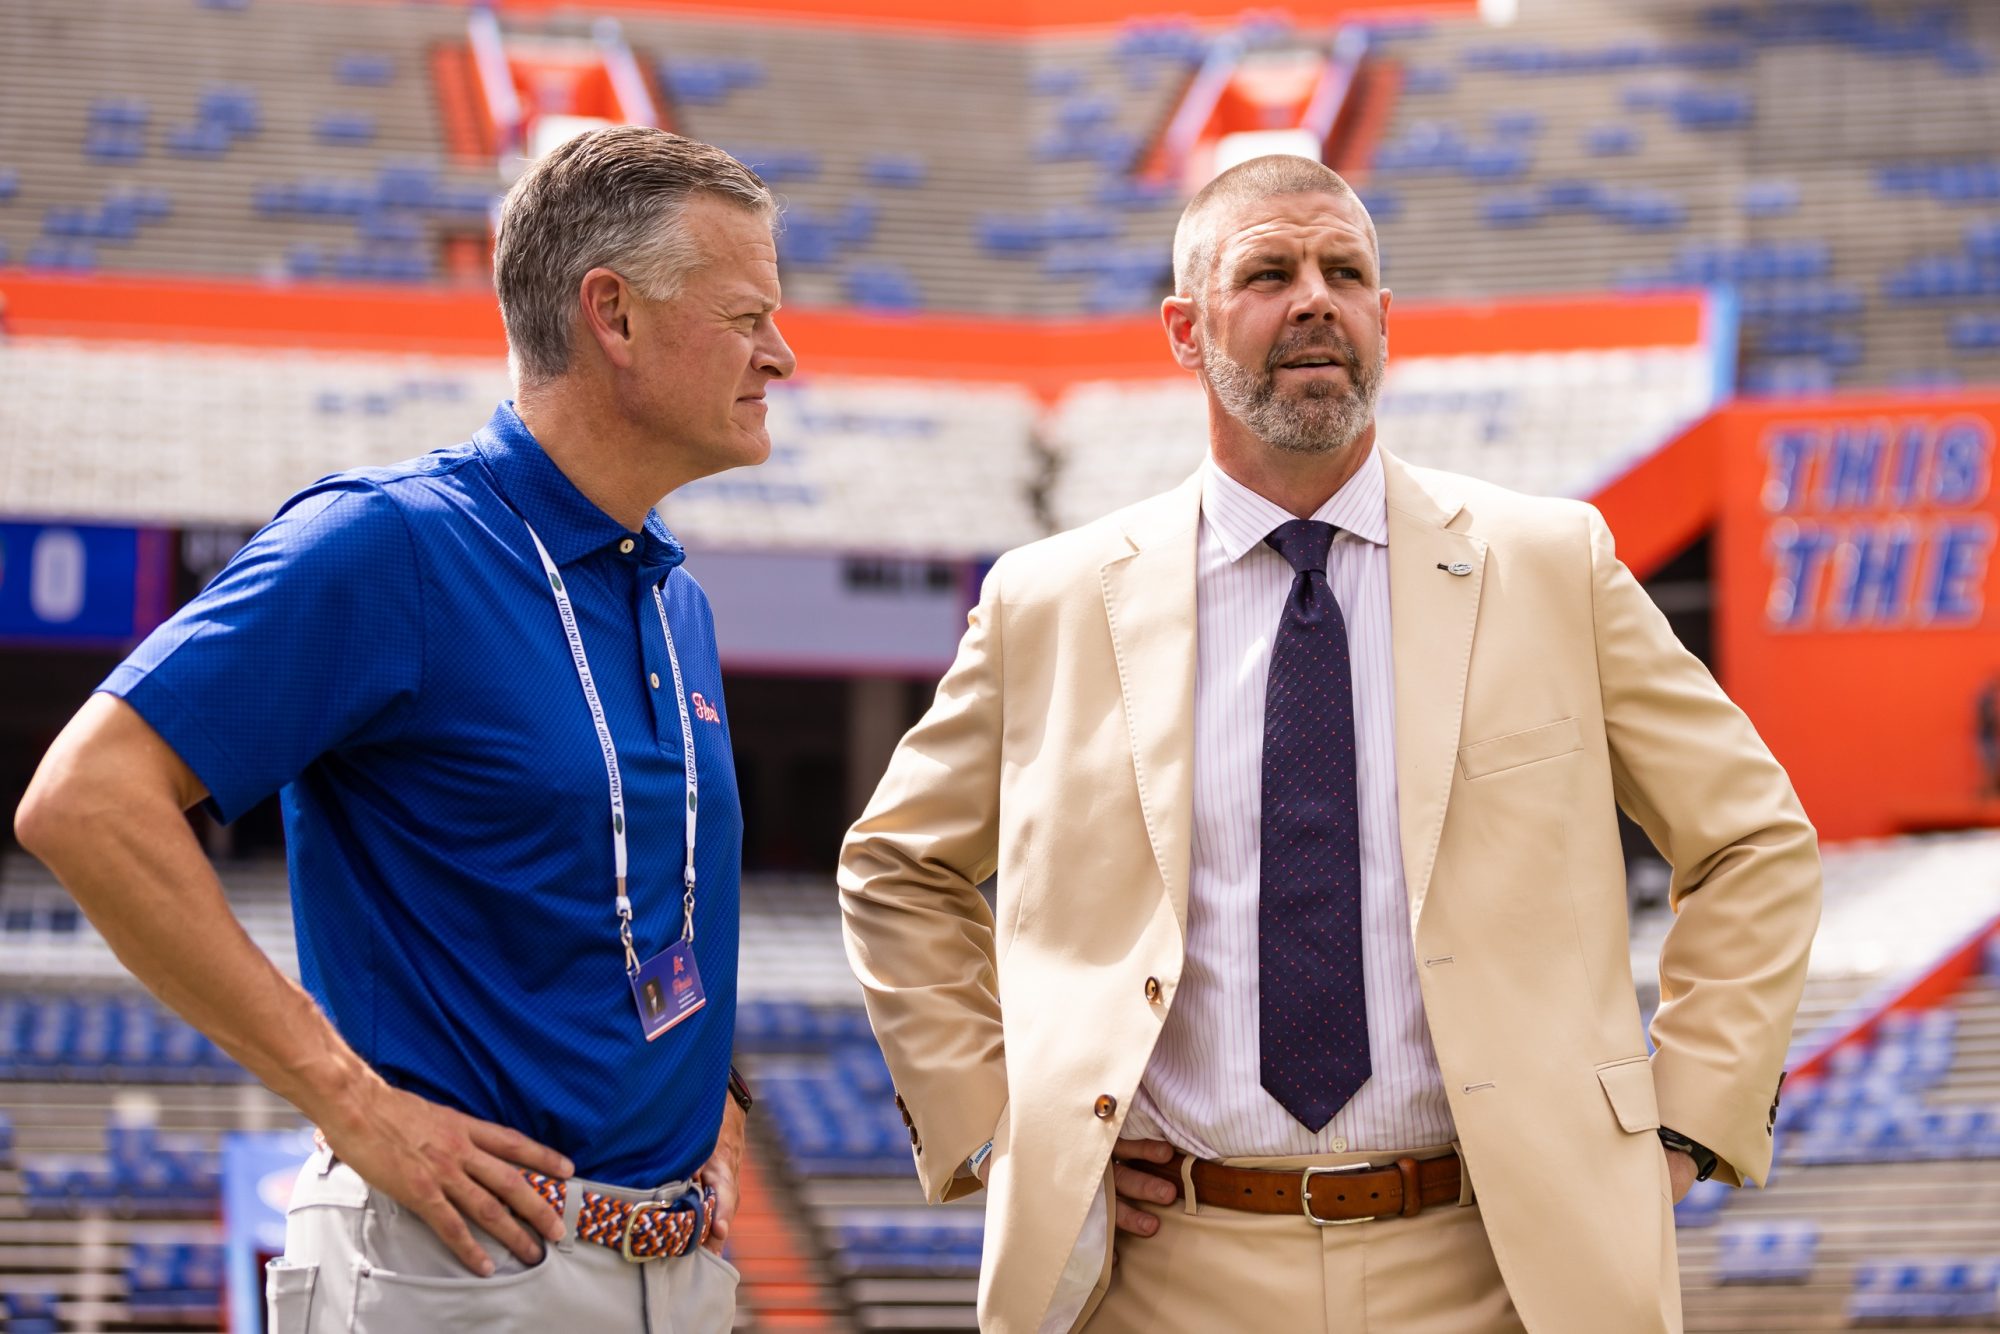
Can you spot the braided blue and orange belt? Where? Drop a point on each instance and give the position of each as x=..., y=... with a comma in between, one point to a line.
x=636, y=1229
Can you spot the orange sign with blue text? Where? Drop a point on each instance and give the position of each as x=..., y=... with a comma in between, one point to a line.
x=1856, y=617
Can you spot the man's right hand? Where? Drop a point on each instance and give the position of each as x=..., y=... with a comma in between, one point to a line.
x=1135, y=1186
x=451, y=1169
x=106, y=813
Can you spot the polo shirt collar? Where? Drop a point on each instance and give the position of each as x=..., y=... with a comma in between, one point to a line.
x=570, y=526
x=1242, y=519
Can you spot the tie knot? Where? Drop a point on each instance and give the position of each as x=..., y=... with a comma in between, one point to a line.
x=1304, y=543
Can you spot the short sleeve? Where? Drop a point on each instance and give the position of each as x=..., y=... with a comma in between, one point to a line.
x=310, y=640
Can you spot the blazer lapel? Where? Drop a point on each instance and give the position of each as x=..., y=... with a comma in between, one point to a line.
x=1149, y=600
x=1435, y=576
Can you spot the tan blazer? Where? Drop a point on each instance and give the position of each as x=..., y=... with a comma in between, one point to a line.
x=1533, y=696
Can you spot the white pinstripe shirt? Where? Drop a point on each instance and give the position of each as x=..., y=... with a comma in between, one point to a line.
x=1201, y=1091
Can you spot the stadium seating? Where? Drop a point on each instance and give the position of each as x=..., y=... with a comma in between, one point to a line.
x=1951, y=1289
x=1555, y=424
x=1580, y=148
x=211, y=108
x=1766, y=1252
x=173, y=1281
x=136, y=1156
x=143, y=432
x=1852, y=134
x=59, y=980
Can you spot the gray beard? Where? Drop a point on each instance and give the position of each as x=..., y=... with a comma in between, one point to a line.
x=1331, y=416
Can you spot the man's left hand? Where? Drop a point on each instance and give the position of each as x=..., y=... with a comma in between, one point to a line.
x=1681, y=1168
x=722, y=1169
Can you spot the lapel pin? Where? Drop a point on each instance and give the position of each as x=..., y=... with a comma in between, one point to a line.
x=1457, y=567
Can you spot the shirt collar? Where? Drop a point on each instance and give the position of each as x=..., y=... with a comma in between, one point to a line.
x=564, y=518
x=1242, y=519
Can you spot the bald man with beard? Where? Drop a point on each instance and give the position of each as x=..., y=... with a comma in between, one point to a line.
x=1300, y=787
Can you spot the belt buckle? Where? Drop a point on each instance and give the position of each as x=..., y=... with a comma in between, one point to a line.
x=1305, y=1194
x=631, y=1220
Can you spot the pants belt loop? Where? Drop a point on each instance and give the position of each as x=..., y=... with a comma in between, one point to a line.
x=1465, y=1195
x=572, y=1203
x=1188, y=1202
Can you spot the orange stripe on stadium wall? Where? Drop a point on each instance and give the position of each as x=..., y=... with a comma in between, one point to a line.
x=997, y=16
x=1046, y=355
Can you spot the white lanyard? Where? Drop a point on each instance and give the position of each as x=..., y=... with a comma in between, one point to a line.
x=610, y=752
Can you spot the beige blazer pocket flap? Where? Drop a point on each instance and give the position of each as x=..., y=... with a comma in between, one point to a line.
x=1629, y=1086
x=1518, y=748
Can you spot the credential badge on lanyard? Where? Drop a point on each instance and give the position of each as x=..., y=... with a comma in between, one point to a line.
x=666, y=987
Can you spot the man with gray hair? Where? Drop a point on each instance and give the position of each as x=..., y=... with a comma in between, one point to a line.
x=488, y=692
x=1301, y=782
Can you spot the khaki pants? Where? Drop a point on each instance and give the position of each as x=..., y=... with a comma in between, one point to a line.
x=355, y=1262
x=1220, y=1269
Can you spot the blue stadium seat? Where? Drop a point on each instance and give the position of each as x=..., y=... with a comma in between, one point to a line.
x=901, y=171
x=777, y=165
x=1769, y=198
x=174, y=1281
x=1944, y=1288
x=1511, y=210
x=1514, y=124
x=1168, y=40
x=30, y=1312
x=708, y=81
x=1420, y=80
x=1710, y=108
x=365, y=69
x=1767, y=1252
x=61, y=257
x=1055, y=81
x=1612, y=141
x=1383, y=204
x=345, y=127
x=199, y=140
x=1642, y=208
x=1080, y=114
x=108, y=146
x=234, y=109
x=882, y=286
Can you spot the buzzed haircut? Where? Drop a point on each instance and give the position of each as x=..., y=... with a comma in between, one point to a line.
x=1259, y=178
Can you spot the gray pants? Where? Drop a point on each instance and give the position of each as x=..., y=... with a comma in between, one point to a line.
x=356, y=1262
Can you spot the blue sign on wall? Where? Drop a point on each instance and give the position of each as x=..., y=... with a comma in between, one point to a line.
x=83, y=584
x=258, y=1169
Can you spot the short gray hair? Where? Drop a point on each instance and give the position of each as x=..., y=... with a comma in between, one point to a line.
x=1259, y=178
x=607, y=199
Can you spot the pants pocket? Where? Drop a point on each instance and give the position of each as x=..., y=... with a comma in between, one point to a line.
x=729, y=1270
x=386, y=1302
x=288, y=1295
x=707, y=1302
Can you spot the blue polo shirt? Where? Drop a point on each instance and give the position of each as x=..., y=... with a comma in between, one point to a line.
x=386, y=655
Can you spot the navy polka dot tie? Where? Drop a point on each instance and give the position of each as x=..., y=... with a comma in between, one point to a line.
x=1312, y=1010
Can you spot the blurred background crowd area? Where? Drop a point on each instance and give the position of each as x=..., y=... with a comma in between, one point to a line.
x=1729, y=271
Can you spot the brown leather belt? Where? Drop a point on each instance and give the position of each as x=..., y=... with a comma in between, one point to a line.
x=1325, y=1195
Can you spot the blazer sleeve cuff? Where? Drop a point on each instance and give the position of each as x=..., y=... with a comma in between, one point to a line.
x=1717, y=1109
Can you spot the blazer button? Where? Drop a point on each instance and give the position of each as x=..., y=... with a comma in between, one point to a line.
x=1106, y=1108
x=1153, y=989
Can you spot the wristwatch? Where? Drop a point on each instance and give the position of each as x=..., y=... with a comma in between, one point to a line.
x=740, y=1090
x=1704, y=1157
